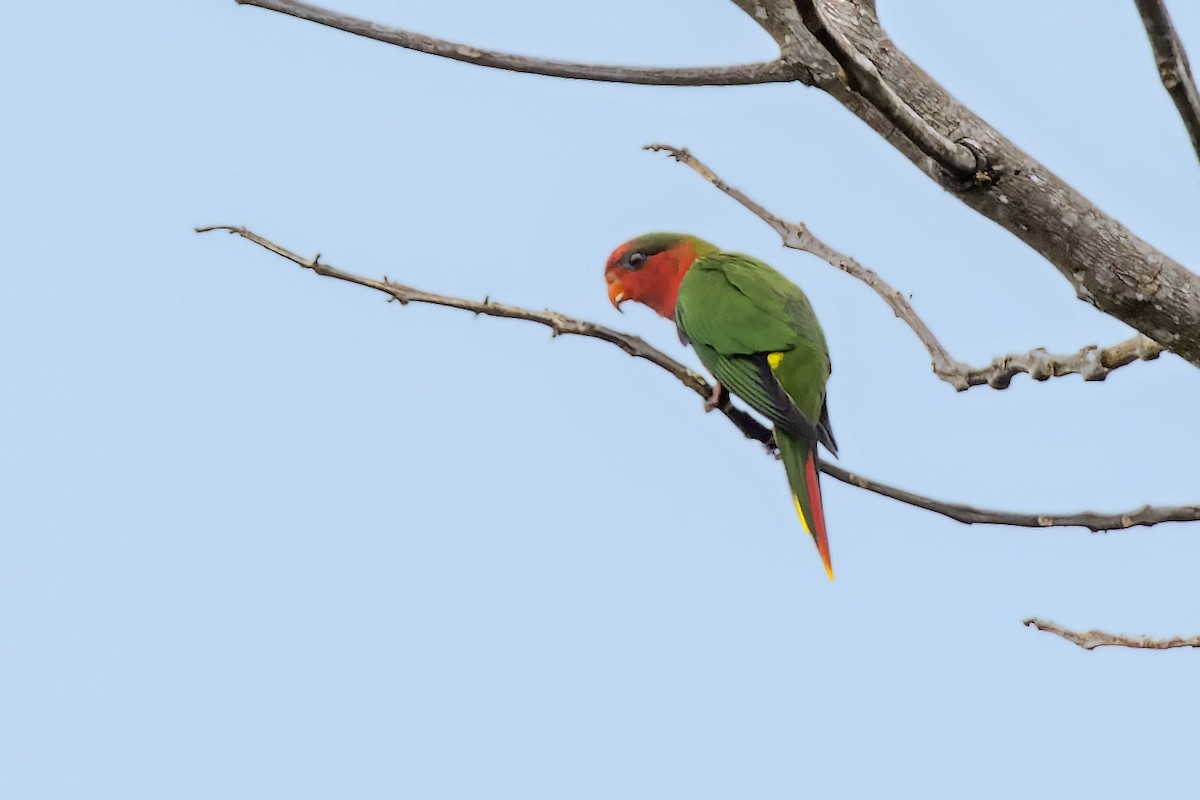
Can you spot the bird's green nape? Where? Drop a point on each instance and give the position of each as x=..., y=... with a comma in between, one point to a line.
x=660, y=241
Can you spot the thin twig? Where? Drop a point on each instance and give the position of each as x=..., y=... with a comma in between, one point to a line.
x=1092, y=362
x=797, y=236
x=1173, y=65
x=970, y=515
x=777, y=71
x=1090, y=640
x=863, y=77
x=749, y=426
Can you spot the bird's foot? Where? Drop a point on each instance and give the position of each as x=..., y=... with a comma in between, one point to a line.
x=718, y=399
x=772, y=448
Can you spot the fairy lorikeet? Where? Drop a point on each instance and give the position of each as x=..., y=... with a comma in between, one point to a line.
x=755, y=331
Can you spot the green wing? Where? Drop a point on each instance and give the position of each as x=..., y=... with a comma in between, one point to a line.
x=757, y=333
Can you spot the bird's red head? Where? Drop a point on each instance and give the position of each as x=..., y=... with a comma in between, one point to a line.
x=648, y=269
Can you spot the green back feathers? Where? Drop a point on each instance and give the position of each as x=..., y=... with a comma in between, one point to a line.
x=739, y=305
x=733, y=307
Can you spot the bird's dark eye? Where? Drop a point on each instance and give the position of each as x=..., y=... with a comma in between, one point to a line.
x=636, y=260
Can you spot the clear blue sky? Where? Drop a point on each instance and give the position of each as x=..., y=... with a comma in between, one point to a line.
x=264, y=535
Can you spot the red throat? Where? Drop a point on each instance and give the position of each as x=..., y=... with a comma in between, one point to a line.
x=657, y=283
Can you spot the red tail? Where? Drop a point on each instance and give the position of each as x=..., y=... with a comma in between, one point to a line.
x=818, y=511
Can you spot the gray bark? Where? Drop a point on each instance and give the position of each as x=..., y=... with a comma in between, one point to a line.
x=1107, y=265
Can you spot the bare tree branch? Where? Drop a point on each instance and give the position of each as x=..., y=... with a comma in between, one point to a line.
x=1090, y=640
x=863, y=78
x=813, y=64
x=559, y=324
x=1108, y=265
x=1173, y=66
x=970, y=515
x=1093, y=363
x=764, y=72
x=797, y=236
x=635, y=346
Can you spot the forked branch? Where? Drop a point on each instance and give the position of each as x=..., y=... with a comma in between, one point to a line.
x=863, y=77
x=1092, y=362
x=1090, y=640
x=635, y=346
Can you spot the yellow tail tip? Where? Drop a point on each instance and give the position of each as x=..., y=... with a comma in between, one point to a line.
x=808, y=530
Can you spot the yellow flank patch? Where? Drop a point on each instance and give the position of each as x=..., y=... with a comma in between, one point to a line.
x=800, y=512
x=774, y=359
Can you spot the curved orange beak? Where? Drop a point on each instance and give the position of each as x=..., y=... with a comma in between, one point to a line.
x=616, y=292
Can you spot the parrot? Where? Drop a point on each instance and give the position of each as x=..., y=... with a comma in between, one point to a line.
x=756, y=332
